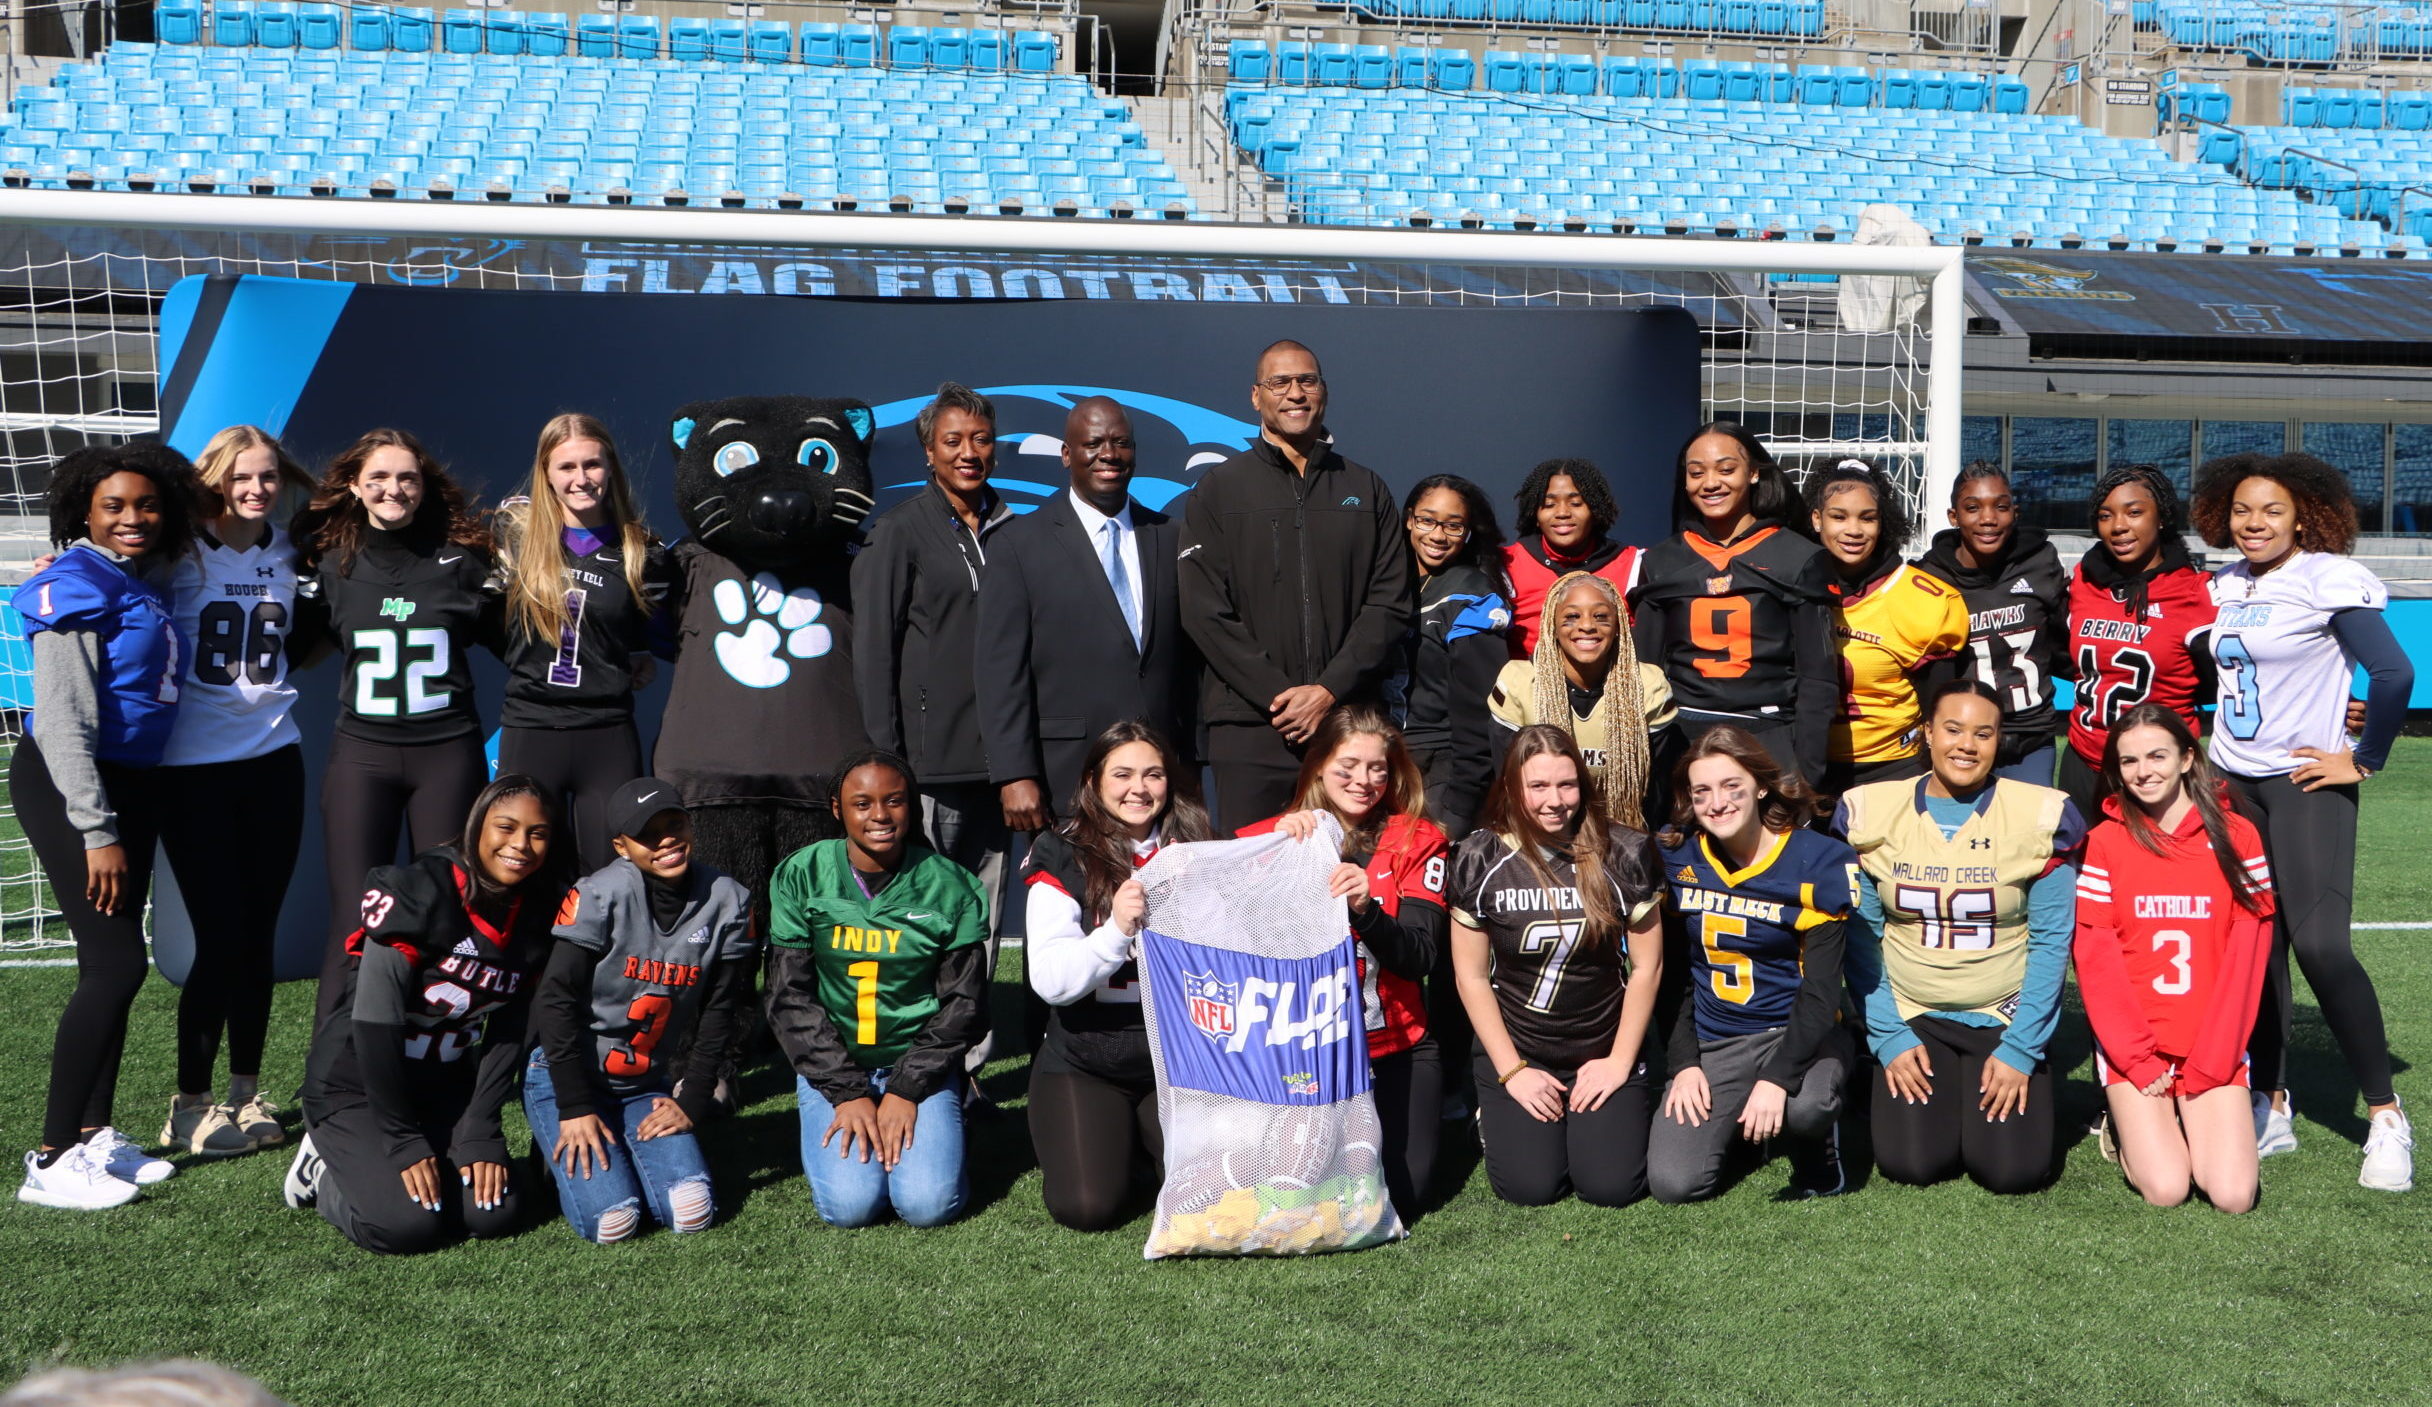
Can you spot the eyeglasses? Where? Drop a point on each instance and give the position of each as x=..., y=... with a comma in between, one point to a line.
x=1425, y=526
x=1307, y=381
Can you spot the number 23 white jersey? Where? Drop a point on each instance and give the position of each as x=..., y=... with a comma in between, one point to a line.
x=2285, y=678
x=235, y=610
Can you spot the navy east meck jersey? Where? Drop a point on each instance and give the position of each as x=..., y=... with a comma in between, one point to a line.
x=407, y=624
x=1747, y=929
x=649, y=983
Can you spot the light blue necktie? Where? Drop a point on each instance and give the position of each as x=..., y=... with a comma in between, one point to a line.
x=1121, y=580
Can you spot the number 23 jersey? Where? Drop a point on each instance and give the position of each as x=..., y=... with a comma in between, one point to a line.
x=1560, y=998
x=407, y=622
x=236, y=607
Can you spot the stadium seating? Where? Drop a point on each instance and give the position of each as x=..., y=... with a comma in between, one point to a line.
x=2362, y=171
x=586, y=127
x=1793, y=18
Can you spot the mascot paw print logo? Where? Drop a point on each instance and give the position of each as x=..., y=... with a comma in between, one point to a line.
x=776, y=623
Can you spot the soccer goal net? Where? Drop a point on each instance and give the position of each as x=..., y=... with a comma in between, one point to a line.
x=1826, y=350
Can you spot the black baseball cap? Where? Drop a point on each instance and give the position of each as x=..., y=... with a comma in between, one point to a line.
x=635, y=803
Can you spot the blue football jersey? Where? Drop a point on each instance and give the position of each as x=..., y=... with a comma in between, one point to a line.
x=1748, y=929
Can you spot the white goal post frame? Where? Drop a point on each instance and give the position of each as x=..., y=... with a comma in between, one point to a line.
x=1941, y=265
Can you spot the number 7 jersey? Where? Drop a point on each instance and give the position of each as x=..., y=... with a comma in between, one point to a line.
x=1560, y=997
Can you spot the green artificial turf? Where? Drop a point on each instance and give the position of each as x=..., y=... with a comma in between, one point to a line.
x=2079, y=1294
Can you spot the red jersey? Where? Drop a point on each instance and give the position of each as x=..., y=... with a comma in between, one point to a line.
x=2122, y=662
x=1533, y=569
x=1407, y=868
x=2169, y=964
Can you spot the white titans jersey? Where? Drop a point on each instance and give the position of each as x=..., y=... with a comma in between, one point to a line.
x=2285, y=678
x=235, y=610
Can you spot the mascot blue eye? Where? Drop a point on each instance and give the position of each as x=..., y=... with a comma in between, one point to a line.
x=818, y=455
x=739, y=455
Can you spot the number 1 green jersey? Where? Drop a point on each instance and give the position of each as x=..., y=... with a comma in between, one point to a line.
x=876, y=956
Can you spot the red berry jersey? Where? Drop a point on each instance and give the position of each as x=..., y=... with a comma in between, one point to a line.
x=2169, y=963
x=2123, y=661
x=1407, y=869
x=1533, y=569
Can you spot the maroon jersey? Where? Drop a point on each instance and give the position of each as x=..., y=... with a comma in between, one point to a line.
x=2123, y=661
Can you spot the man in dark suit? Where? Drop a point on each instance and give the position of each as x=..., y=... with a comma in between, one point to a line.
x=1079, y=626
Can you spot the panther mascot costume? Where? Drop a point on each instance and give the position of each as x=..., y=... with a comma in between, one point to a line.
x=774, y=489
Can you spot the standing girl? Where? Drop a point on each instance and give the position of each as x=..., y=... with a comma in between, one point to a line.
x=1557, y=936
x=584, y=579
x=1567, y=513
x=2140, y=614
x=1736, y=608
x=1896, y=626
x=233, y=785
x=877, y=986
x=400, y=563
x=2297, y=618
x=1093, y=1089
x=2017, y=598
x=2174, y=911
x=1392, y=882
x=84, y=783
x=1586, y=679
x=1458, y=646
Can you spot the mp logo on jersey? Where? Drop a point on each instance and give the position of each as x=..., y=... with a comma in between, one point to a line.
x=1275, y=1030
x=397, y=608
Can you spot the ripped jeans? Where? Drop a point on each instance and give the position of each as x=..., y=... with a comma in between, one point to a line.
x=663, y=1179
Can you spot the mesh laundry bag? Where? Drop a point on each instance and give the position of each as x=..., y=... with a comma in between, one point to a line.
x=1252, y=988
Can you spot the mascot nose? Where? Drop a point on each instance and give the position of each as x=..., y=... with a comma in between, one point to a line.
x=780, y=511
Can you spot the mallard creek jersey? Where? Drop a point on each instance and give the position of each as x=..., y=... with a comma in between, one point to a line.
x=1728, y=616
x=1560, y=998
x=2285, y=677
x=463, y=969
x=1955, y=910
x=407, y=624
x=2172, y=913
x=2123, y=661
x=584, y=677
x=876, y=956
x=1904, y=621
x=1748, y=928
x=235, y=607
x=649, y=984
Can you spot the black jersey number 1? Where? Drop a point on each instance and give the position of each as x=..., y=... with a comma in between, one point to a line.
x=379, y=654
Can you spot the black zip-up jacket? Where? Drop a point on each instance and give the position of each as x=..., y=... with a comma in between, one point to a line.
x=2018, y=629
x=916, y=597
x=1291, y=579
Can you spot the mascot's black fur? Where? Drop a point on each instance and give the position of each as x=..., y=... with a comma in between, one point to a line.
x=762, y=705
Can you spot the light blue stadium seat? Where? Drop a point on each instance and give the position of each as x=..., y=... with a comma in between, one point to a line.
x=1455, y=70
x=907, y=46
x=232, y=24
x=1573, y=75
x=1035, y=52
x=1969, y=92
x=1333, y=63
x=1773, y=17
x=688, y=38
x=1659, y=78
x=988, y=50
x=595, y=36
x=274, y=24
x=1506, y=71
x=460, y=32
x=1620, y=77
x=2369, y=110
x=1933, y=91
x=2409, y=112
x=1899, y=89
x=2338, y=108
x=2010, y=95
x=1739, y=16
x=822, y=42
x=729, y=40
x=545, y=34
x=1246, y=61
x=771, y=42
x=1293, y=64
x=1410, y=67
x=857, y=45
x=949, y=48
x=178, y=21
x=637, y=36
x=505, y=31
x=409, y=30
x=1857, y=86
x=1705, y=82
x=1372, y=66
x=1814, y=83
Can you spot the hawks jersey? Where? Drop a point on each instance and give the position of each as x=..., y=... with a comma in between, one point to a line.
x=2285, y=677
x=1899, y=623
x=1955, y=908
x=2123, y=661
x=235, y=607
x=1533, y=571
x=463, y=969
x=141, y=662
x=876, y=955
x=584, y=677
x=407, y=623
x=649, y=983
x=2172, y=914
x=1748, y=928
x=2018, y=629
x=1721, y=619
x=1407, y=868
x=1560, y=996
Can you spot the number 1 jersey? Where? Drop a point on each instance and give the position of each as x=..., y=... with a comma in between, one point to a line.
x=236, y=607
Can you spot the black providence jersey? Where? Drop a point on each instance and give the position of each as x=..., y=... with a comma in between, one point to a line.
x=649, y=983
x=1560, y=996
x=584, y=677
x=1722, y=618
x=406, y=622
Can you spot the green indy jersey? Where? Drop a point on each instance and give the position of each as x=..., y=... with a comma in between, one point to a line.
x=875, y=956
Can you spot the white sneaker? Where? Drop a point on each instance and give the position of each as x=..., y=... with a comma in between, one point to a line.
x=118, y=1153
x=2275, y=1129
x=2105, y=1141
x=77, y=1182
x=303, y=1176
x=2389, y=1154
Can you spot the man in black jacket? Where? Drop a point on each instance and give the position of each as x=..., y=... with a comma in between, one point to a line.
x=1295, y=584
x=1079, y=624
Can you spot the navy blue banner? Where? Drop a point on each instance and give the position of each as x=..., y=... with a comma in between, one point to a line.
x=1270, y=1030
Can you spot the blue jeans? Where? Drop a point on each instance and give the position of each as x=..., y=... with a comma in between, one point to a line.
x=927, y=1187
x=666, y=1175
x=2035, y=767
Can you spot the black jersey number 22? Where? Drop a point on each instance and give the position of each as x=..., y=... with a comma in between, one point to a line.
x=380, y=656
x=232, y=642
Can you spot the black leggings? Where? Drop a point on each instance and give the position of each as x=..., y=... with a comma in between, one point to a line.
x=110, y=954
x=1949, y=1134
x=2083, y=783
x=371, y=792
x=1409, y=1109
x=1601, y=1155
x=581, y=768
x=1090, y=1133
x=362, y=1187
x=2310, y=837
x=231, y=830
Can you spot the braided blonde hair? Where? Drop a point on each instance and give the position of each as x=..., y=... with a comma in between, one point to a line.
x=1621, y=711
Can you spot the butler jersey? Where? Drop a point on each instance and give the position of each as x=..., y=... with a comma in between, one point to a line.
x=406, y=624
x=1722, y=619
x=1408, y=867
x=2172, y=913
x=235, y=608
x=583, y=678
x=1560, y=996
x=1748, y=928
x=649, y=983
x=2285, y=677
x=2123, y=661
x=459, y=969
x=1955, y=907
x=876, y=955
x=1894, y=626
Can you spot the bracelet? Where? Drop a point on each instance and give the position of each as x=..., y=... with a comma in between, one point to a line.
x=1506, y=1077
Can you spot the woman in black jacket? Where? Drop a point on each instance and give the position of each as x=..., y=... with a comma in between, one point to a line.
x=2018, y=612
